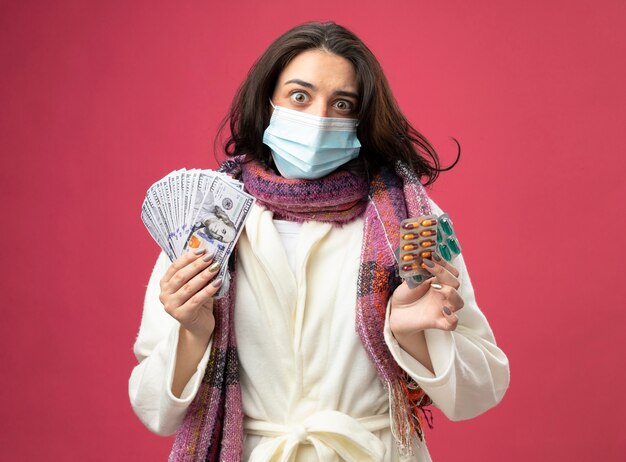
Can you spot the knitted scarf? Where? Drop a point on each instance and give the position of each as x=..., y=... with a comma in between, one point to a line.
x=336, y=198
x=212, y=429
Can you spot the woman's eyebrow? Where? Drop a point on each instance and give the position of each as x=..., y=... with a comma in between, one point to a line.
x=303, y=83
x=349, y=94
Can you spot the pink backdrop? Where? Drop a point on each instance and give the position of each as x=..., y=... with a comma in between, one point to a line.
x=100, y=99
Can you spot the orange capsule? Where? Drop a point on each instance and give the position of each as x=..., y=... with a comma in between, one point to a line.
x=428, y=232
x=429, y=222
x=409, y=236
x=426, y=254
x=409, y=267
x=408, y=257
x=427, y=243
x=410, y=225
x=409, y=247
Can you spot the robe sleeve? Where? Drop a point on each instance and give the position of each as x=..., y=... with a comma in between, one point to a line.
x=471, y=372
x=150, y=384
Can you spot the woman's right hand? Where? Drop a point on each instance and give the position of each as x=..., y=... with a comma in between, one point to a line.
x=187, y=291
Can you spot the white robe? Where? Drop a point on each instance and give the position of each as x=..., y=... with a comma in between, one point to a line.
x=308, y=388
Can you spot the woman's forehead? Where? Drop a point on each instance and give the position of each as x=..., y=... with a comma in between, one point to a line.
x=321, y=69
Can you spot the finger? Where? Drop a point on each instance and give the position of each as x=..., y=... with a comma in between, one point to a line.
x=449, y=295
x=446, y=264
x=441, y=273
x=195, y=284
x=403, y=295
x=181, y=262
x=187, y=272
x=449, y=321
x=201, y=297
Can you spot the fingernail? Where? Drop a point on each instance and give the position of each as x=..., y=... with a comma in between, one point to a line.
x=447, y=311
x=428, y=263
x=214, y=267
x=217, y=282
x=208, y=256
x=436, y=257
x=199, y=251
x=436, y=285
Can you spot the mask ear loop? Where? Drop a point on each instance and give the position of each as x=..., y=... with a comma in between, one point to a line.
x=272, y=103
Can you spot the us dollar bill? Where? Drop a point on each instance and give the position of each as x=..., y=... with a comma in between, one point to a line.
x=194, y=209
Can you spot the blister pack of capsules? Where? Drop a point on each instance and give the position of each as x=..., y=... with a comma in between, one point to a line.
x=420, y=238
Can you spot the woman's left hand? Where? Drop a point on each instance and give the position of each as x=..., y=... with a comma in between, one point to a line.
x=431, y=305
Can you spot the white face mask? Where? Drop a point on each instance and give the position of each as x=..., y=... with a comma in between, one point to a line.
x=306, y=146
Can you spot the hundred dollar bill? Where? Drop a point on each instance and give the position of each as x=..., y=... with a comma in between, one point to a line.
x=219, y=221
x=195, y=208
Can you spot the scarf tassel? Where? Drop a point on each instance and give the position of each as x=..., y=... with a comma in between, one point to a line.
x=407, y=402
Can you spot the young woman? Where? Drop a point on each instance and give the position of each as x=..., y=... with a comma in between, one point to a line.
x=318, y=351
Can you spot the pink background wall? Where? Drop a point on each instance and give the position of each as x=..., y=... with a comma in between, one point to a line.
x=100, y=99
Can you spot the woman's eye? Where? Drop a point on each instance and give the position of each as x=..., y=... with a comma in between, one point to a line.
x=344, y=106
x=299, y=97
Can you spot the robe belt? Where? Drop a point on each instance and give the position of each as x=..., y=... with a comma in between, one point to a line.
x=332, y=434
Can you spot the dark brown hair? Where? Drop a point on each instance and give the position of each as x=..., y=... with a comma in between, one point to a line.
x=385, y=134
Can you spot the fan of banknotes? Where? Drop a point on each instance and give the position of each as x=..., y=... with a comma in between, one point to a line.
x=192, y=209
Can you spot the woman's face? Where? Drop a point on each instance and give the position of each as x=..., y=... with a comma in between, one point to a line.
x=320, y=83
